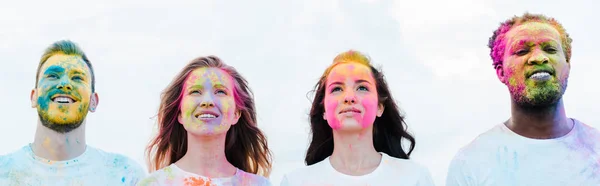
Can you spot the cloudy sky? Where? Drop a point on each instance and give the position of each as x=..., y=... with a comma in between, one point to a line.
x=433, y=53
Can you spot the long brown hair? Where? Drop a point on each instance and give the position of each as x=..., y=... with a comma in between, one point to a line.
x=245, y=145
x=388, y=130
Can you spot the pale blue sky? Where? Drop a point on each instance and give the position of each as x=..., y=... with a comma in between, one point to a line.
x=433, y=53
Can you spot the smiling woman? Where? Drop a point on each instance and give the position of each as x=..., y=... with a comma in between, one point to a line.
x=208, y=132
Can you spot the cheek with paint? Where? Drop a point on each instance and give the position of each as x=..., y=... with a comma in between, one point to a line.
x=188, y=104
x=370, y=106
x=226, y=114
x=515, y=83
x=331, y=104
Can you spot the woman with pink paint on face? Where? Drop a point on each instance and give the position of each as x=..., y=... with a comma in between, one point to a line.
x=207, y=130
x=357, y=131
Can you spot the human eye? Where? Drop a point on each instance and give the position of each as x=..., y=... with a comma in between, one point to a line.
x=550, y=49
x=194, y=92
x=521, y=52
x=77, y=78
x=335, y=89
x=52, y=76
x=362, y=88
x=220, y=91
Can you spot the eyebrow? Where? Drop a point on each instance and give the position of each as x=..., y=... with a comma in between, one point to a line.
x=357, y=81
x=79, y=72
x=218, y=85
x=527, y=42
x=54, y=69
x=196, y=87
x=202, y=86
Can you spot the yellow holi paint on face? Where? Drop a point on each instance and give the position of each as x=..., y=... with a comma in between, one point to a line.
x=64, y=90
x=207, y=90
x=531, y=47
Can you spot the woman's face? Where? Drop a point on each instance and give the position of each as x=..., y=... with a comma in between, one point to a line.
x=208, y=104
x=351, y=100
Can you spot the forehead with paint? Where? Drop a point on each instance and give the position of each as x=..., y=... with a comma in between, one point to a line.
x=349, y=71
x=209, y=78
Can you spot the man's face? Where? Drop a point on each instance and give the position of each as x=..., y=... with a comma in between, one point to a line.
x=64, y=93
x=534, y=65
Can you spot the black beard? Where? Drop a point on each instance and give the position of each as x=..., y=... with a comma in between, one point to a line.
x=546, y=99
x=60, y=128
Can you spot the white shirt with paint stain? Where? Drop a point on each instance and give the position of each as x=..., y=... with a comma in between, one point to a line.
x=391, y=171
x=175, y=176
x=501, y=157
x=93, y=167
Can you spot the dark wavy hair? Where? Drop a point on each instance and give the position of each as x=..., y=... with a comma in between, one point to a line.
x=388, y=130
x=245, y=145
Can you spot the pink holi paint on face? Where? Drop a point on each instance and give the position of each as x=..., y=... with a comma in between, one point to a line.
x=530, y=42
x=208, y=105
x=351, y=97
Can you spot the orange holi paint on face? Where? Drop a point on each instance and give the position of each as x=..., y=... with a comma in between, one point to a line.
x=351, y=100
x=535, y=67
x=63, y=93
x=208, y=104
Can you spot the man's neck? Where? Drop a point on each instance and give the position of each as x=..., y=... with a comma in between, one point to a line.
x=354, y=152
x=206, y=156
x=540, y=123
x=51, y=145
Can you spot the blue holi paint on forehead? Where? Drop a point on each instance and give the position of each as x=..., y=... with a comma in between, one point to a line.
x=54, y=69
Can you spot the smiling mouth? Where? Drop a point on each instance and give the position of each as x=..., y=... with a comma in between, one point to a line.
x=63, y=99
x=206, y=115
x=540, y=74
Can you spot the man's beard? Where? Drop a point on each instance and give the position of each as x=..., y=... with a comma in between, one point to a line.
x=62, y=127
x=541, y=97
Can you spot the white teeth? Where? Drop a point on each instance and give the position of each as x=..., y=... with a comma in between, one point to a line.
x=63, y=100
x=540, y=75
x=207, y=116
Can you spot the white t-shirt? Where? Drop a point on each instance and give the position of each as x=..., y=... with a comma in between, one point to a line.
x=175, y=176
x=391, y=171
x=501, y=157
x=93, y=167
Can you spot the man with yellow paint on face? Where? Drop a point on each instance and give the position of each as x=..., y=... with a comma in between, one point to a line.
x=538, y=144
x=63, y=94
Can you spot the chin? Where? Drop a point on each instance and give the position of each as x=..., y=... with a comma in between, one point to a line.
x=351, y=126
x=207, y=131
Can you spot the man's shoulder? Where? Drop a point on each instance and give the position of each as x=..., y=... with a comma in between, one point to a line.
x=486, y=142
x=12, y=159
x=588, y=130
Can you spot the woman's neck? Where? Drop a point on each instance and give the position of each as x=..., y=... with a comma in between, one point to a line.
x=354, y=152
x=205, y=156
